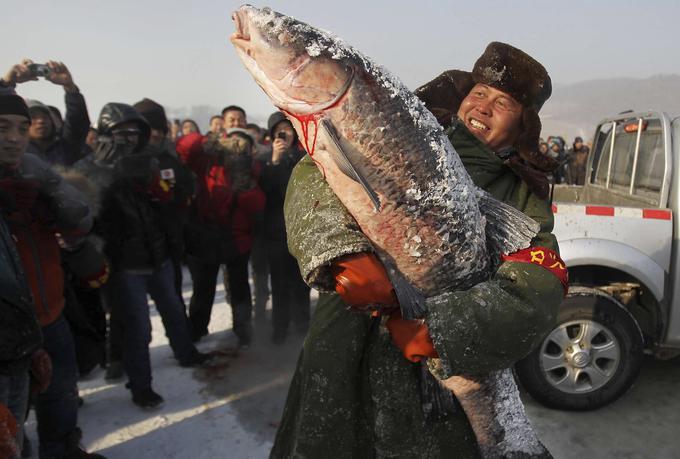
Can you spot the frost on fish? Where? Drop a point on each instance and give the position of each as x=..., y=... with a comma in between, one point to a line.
x=408, y=161
x=430, y=225
x=506, y=420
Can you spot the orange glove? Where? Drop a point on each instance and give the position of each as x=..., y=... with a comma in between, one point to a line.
x=361, y=280
x=411, y=336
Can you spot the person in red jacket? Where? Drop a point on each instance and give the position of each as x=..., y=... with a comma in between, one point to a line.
x=220, y=230
x=44, y=213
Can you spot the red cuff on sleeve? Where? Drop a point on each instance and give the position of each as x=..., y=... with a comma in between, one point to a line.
x=544, y=257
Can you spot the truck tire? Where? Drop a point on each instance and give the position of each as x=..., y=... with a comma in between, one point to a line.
x=589, y=359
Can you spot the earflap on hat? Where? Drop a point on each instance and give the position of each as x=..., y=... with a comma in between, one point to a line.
x=527, y=142
x=443, y=95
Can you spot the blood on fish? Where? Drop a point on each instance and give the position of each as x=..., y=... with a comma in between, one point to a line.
x=305, y=121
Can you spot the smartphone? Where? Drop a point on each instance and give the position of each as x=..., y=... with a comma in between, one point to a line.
x=39, y=70
x=281, y=135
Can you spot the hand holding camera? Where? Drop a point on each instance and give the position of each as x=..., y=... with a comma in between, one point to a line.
x=19, y=73
x=27, y=70
x=279, y=147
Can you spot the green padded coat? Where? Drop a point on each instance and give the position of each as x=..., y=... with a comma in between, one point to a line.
x=353, y=394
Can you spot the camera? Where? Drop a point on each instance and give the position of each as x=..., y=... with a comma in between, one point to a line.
x=281, y=135
x=39, y=70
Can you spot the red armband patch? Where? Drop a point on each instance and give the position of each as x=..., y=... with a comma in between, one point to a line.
x=544, y=257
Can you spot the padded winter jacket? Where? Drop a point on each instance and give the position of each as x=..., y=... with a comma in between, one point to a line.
x=140, y=232
x=274, y=182
x=217, y=204
x=67, y=146
x=19, y=329
x=60, y=208
x=352, y=386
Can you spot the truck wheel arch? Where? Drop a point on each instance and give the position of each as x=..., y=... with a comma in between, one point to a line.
x=598, y=252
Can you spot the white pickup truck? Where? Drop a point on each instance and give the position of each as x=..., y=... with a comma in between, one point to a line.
x=619, y=239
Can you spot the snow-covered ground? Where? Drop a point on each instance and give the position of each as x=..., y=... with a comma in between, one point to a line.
x=229, y=410
x=232, y=409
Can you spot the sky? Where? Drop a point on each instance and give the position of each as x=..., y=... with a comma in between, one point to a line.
x=178, y=52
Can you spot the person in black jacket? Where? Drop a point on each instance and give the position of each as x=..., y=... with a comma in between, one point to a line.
x=54, y=144
x=141, y=196
x=290, y=294
x=20, y=333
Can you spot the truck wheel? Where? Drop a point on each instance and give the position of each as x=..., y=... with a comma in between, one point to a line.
x=589, y=359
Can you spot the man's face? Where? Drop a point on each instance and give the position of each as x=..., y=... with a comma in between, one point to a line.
x=126, y=137
x=234, y=118
x=216, y=125
x=14, y=138
x=284, y=130
x=578, y=145
x=492, y=116
x=41, y=125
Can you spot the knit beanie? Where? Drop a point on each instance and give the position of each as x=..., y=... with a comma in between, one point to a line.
x=154, y=113
x=12, y=104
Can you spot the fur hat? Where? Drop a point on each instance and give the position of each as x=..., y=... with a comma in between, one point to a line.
x=154, y=113
x=514, y=72
x=507, y=69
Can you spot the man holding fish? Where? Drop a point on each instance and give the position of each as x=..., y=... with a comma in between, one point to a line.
x=438, y=244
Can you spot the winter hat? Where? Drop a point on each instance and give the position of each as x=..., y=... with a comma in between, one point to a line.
x=35, y=106
x=154, y=113
x=507, y=69
x=274, y=119
x=514, y=72
x=12, y=104
x=242, y=132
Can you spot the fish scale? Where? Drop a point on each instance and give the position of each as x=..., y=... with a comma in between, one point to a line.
x=403, y=183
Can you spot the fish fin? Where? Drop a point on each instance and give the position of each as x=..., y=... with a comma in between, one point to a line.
x=411, y=300
x=507, y=229
x=342, y=160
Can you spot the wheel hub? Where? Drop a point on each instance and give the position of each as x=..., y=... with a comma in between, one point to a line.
x=580, y=359
x=580, y=356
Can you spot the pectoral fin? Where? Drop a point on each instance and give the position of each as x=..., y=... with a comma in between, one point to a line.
x=344, y=163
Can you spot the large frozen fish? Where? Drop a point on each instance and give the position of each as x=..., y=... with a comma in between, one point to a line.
x=389, y=162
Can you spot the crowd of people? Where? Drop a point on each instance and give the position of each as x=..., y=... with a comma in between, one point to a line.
x=572, y=161
x=95, y=218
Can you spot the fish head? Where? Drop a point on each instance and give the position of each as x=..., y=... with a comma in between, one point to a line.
x=290, y=60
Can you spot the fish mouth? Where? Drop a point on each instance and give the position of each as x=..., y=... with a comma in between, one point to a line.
x=253, y=45
x=241, y=36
